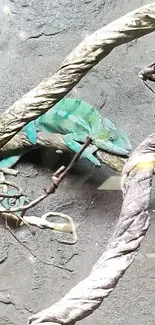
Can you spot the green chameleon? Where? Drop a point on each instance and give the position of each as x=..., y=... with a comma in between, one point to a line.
x=76, y=120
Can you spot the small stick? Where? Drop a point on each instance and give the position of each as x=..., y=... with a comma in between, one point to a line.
x=5, y=182
x=55, y=181
x=30, y=251
x=147, y=74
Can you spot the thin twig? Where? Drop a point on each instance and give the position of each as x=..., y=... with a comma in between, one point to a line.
x=147, y=75
x=5, y=182
x=19, y=219
x=31, y=252
x=55, y=181
x=4, y=194
x=145, y=83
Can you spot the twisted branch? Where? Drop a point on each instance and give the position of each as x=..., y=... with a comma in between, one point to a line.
x=20, y=143
x=147, y=74
x=120, y=252
x=85, y=56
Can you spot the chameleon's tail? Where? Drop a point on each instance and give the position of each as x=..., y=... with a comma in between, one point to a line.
x=9, y=161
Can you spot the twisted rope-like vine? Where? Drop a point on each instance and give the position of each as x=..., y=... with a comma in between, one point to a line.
x=120, y=252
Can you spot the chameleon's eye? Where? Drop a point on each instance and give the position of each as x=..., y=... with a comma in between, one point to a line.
x=111, y=138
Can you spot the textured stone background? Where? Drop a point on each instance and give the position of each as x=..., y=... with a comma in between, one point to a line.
x=35, y=38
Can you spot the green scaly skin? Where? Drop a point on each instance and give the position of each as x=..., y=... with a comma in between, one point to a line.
x=76, y=120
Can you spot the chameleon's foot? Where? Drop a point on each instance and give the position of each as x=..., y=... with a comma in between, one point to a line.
x=75, y=146
x=88, y=154
x=92, y=159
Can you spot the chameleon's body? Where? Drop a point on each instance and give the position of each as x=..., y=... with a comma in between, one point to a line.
x=76, y=120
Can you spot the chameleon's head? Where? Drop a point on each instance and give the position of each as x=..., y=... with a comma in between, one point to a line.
x=113, y=140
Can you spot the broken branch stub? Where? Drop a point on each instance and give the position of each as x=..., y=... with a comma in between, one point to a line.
x=120, y=252
x=147, y=74
x=84, y=57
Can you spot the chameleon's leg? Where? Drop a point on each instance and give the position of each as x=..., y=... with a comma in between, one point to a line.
x=71, y=141
x=9, y=161
x=31, y=132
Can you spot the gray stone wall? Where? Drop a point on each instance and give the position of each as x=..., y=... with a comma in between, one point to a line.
x=35, y=36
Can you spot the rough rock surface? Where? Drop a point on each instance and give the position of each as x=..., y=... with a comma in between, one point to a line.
x=35, y=37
